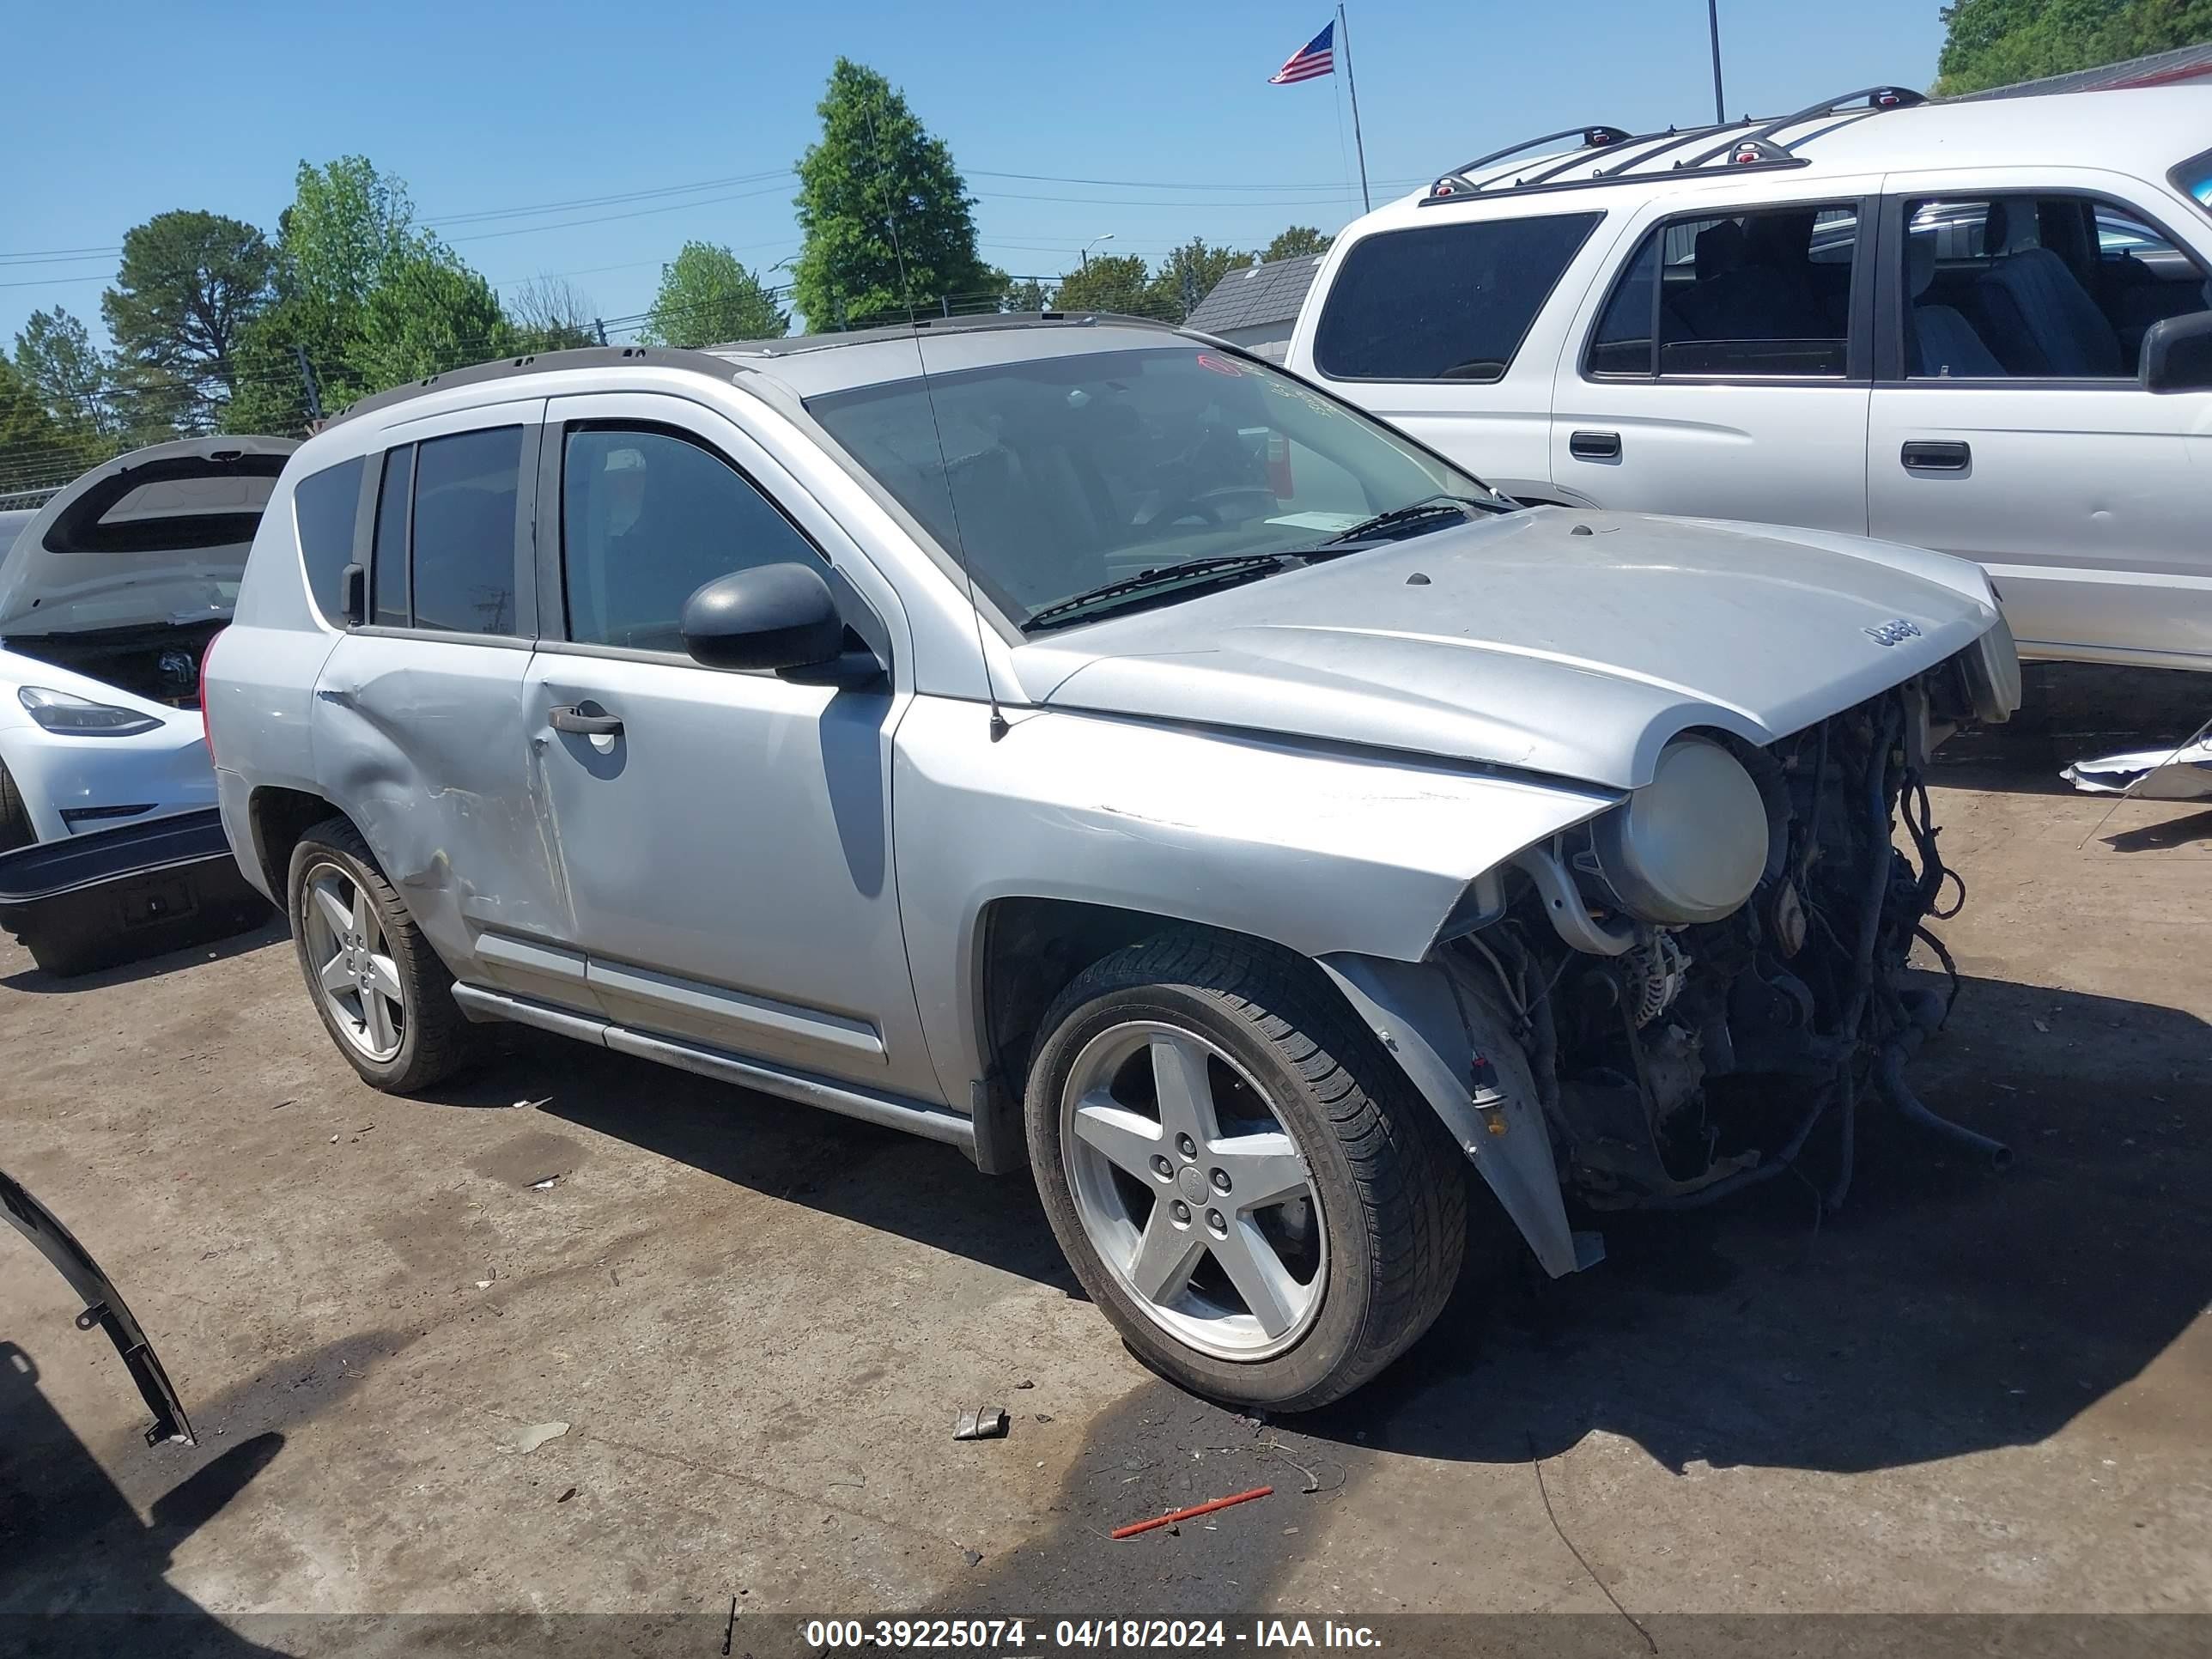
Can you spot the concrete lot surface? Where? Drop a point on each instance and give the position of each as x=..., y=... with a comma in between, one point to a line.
x=1967, y=1393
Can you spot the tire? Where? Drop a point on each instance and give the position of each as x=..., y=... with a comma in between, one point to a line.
x=1364, y=1260
x=425, y=1036
x=15, y=828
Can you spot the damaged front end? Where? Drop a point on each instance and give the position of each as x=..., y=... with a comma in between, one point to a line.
x=1702, y=976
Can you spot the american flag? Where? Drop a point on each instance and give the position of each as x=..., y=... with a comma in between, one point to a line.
x=1316, y=59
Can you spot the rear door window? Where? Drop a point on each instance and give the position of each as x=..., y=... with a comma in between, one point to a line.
x=388, y=561
x=1758, y=294
x=323, y=504
x=1444, y=302
x=466, y=489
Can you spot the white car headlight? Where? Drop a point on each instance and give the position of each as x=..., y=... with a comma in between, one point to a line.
x=80, y=717
x=1691, y=845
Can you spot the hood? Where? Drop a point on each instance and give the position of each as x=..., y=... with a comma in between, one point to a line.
x=1522, y=641
x=158, y=535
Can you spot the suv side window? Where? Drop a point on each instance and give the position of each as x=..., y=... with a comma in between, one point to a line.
x=1445, y=301
x=1757, y=294
x=463, y=560
x=647, y=517
x=323, y=508
x=388, y=558
x=2047, y=288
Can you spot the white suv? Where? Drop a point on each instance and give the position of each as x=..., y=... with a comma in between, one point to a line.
x=1980, y=327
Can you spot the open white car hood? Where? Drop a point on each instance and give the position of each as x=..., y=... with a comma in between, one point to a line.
x=158, y=535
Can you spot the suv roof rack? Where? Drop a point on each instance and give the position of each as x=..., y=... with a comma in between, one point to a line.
x=1756, y=147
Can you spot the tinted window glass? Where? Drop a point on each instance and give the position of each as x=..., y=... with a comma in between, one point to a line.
x=465, y=505
x=1622, y=344
x=323, y=507
x=388, y=564
x=1443, y=302
x=646, y=518
x=1753, y=294
x=2051, y=287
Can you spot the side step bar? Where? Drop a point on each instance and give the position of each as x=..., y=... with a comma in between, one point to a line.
x=931, y=1123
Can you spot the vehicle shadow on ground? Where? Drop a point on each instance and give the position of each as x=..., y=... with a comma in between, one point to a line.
x=1946, y=1309
x=883, y=1178
x=39, y=983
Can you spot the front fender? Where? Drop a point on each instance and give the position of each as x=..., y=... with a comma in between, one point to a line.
x=1435, y=1028
x=1318, y=848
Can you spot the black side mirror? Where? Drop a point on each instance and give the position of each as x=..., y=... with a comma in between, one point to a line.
x=780, y=617
x=353, y=594
x=2177, y=354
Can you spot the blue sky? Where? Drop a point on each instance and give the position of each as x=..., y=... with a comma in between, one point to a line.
x=118, y=110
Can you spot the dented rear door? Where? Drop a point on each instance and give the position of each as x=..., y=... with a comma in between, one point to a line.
x=419, y=728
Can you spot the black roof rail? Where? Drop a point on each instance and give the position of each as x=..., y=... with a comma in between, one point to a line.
x=1878, y=99
x=1593, y=137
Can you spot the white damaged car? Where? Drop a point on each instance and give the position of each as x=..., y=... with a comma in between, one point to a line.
x=108, y=597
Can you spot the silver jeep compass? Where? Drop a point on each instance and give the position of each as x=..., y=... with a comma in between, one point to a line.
x=1079, y=742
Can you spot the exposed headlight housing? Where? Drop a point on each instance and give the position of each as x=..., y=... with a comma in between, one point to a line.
x=1690, y=846
x=80, y=717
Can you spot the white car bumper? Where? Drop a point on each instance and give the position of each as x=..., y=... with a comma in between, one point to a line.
x=71, y=784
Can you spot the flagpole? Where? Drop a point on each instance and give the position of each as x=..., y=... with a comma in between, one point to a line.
x=1343, y=40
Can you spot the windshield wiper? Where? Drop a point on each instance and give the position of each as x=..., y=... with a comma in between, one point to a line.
x=1427, y=507
x=1224, y=564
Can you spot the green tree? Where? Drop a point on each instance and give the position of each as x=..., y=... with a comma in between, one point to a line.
x=1027, y=294
x=885, y=214
x=1298, y=240
x=706, y=297
x=36, y=451
x=1187, y=276
x=1994, y=43
x=189, y=284
x=369, y=297
x=56, y=358
x=1103, y=283
x=428, y=313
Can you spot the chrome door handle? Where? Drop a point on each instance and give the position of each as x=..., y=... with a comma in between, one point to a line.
x=587, y=718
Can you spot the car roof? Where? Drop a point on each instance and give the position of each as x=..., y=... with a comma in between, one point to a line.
x=2142, y=131
x=808, y=365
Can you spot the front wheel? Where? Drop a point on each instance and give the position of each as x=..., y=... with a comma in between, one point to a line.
x=1240, y=1176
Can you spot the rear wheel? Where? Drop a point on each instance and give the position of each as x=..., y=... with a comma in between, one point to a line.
x=1241, y=1177
x=384, y=996
x=15, y=828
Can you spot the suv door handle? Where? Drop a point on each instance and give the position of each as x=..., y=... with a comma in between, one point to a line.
x=1922, y=455
x=587, y=718
x=1595, y=445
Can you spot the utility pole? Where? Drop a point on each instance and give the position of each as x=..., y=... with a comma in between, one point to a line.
x=1713, y=20
x=308, y=383
x=601, y=326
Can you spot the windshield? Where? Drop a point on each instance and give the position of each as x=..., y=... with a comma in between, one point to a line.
x=1067, y=473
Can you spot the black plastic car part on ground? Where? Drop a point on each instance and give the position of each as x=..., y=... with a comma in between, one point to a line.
x=115, y=896
x=104, y=1307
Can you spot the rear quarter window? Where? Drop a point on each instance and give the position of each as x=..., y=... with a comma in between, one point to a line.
x=1444, y=302
x=2194, y=176
x=323, y=507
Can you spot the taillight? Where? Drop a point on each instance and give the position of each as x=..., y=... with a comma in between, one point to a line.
x=207, y=656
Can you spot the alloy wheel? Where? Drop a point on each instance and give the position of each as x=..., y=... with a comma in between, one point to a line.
x=1193, y=1192
x=355, y=975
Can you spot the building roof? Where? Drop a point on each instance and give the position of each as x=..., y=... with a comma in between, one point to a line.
x=1256, y=296
x=2157, y=69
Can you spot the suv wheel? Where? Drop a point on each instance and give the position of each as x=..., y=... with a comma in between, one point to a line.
x=1241, y=1179
x=385, y=997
